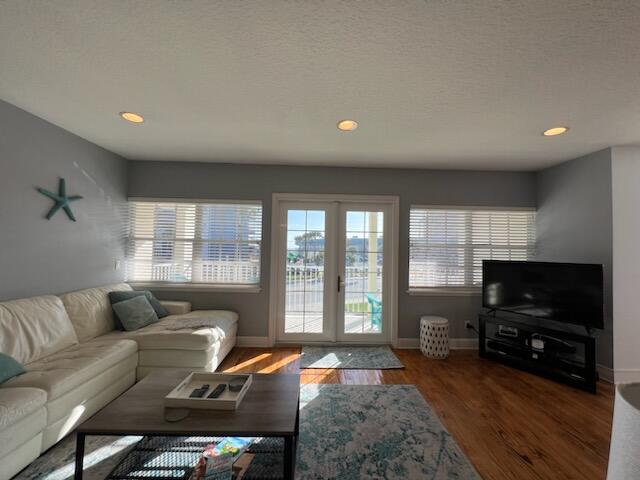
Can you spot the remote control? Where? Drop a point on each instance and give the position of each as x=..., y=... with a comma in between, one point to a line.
x=217, y=391
x=199, y=392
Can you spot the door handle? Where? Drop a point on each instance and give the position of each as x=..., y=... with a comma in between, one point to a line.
x=339, y=283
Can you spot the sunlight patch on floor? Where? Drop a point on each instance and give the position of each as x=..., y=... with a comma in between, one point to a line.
x=94, y=458
x=309, y=393
x=276, y=366
x=327, y=376
x=330, y=360
x=247, y=363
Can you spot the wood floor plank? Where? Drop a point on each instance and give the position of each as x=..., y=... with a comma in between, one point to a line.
x=511, y=424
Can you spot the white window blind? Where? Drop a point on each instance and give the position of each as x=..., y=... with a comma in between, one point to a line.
x=198, y=243
x=447, y=246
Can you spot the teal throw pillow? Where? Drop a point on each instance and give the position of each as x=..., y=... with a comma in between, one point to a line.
x=119, y=296
x=135, y=313
x=9, y=368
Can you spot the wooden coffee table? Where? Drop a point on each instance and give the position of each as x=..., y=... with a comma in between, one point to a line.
x=269, y=409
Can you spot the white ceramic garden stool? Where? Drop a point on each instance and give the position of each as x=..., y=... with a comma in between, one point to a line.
x=625, y=434
x=434, y=336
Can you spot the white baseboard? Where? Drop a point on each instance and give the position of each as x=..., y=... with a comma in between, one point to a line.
x=408, y=343
x=626, y=375
x=454, y=343
x=403, y=343
x=605, y=373
x=253, y=342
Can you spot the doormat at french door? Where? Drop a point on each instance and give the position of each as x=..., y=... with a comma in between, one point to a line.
x=360, y=358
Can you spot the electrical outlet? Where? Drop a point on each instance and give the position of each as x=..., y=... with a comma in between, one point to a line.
x=468, y=325
x=117, y=264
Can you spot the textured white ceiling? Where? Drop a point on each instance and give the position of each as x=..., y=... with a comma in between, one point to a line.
x=437, y=83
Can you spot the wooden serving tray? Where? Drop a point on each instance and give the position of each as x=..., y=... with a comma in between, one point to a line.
x=179, y=396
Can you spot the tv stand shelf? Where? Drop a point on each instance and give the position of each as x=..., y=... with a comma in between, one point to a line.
x=566, y=357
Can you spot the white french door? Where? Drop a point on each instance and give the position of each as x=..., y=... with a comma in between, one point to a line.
x=334, y=271
x=307, y=269
x=362, y=272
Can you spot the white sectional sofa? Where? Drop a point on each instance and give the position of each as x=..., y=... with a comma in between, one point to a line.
x=76, y=362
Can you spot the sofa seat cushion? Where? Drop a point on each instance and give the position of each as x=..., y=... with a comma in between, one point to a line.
x=68, y=404
x=187, y=360
x=18, y=403
x=70, y=368
x=34, y=328
x=164, y=357
x=202, y=329
x=90, y=310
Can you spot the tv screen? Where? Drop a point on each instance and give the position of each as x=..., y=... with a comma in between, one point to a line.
x=564, y=292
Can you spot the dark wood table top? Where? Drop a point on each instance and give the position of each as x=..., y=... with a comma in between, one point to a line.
x=269, y=408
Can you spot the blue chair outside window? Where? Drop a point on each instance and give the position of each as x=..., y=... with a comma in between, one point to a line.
x=376, y=311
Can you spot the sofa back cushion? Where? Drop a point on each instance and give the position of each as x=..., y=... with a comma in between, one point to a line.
x=90, y=310
x=34, y=328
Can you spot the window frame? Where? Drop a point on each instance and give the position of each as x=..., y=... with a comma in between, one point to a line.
x=195, y=286
x=452, y=290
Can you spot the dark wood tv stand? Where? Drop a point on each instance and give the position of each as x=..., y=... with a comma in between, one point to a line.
x=567, y=357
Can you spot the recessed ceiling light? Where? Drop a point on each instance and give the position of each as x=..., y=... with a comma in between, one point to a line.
x=552, y=132
x=347, y=125
x=132, y=117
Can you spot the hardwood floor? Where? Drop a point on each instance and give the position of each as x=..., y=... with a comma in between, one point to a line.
x=511, y=425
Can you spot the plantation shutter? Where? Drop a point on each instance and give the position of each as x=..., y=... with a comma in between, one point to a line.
x=199, y=243
x=447, y=246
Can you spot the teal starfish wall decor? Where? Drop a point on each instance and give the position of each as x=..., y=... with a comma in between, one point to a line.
x=61, y=200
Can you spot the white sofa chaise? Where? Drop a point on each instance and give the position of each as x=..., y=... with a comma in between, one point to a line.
x=185, y=339
x=76, y=362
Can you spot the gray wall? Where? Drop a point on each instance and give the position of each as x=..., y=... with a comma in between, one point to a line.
x=220, y=181
x=574, y=224
x=39, y=256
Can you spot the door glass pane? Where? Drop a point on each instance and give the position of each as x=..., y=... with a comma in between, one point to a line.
x=363, y=272
x=304, y=283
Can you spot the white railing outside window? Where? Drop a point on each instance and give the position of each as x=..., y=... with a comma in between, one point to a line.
x=194, y=243
x=305, y=286
x=447, y=245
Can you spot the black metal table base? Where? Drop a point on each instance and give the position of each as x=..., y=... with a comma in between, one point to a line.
x=187, y=451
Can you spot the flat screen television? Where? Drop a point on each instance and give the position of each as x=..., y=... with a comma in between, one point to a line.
x=564, y=292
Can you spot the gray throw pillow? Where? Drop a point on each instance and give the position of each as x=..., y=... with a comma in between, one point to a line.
x=135, y=313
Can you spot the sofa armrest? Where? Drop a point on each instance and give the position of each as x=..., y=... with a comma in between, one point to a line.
x=176, y=308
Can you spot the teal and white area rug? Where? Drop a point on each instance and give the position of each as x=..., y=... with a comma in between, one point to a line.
x=374, y=431
x=360, y=358
x=347, y=432
x=102, y=454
